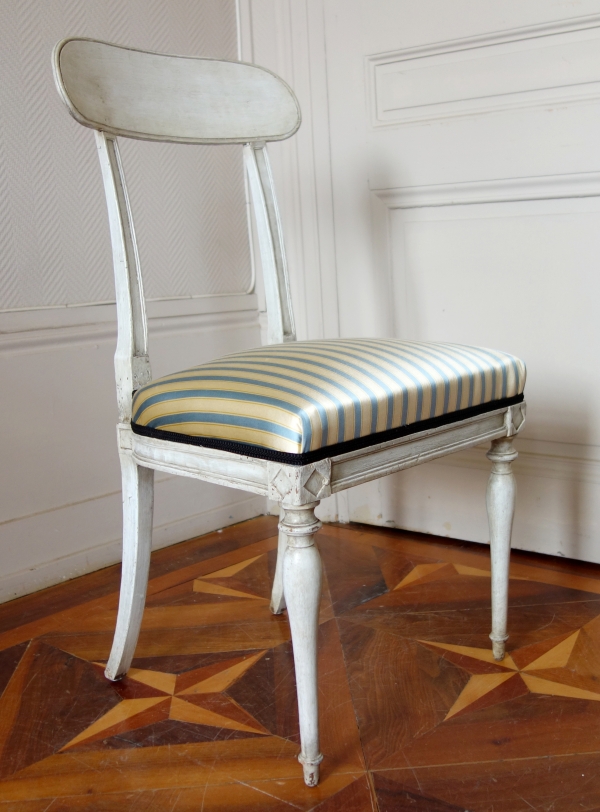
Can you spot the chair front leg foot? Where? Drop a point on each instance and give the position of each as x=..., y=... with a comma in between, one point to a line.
x=302, y=575
x=311, y=769
x=500, y=499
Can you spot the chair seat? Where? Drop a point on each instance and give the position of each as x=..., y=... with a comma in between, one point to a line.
x=302, y=401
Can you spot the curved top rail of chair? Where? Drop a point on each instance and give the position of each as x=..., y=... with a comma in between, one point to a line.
x=158, y=97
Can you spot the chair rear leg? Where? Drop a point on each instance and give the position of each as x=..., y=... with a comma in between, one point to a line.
x=277, y=596
x=138, y=503
x=302, y=576
x=500, y=499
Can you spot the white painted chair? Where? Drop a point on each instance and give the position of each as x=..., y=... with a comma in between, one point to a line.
x=295, y=421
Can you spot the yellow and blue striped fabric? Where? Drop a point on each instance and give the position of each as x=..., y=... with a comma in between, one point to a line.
x=300, y=397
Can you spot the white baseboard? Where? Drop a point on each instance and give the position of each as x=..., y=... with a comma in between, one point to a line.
x=558, y=499
x=82, y=561
x=540, y=459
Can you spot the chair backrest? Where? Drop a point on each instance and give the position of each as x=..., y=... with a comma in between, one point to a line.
x=157, y=97
x=120, y=91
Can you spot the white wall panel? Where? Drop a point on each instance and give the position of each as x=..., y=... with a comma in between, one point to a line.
x=476, y=137
x=289, y=39
x=454, y=279
x=465, y=183
x=60, y=511
x=60, y=501
x=536, y=65
x=54, y=248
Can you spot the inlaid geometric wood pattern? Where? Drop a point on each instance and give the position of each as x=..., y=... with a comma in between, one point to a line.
x=415, y=713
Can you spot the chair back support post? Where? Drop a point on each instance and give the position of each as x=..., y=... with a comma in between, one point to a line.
x=280, y=318
x=132, y=365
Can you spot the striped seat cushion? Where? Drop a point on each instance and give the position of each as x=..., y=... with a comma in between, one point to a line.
x=302, y=401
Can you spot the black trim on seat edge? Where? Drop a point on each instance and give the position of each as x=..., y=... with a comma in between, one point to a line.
x=249, y=450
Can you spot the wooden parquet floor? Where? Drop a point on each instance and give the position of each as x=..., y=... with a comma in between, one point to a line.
x=415, y=714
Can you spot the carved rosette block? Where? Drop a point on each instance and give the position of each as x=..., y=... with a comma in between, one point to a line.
x=515, y=419
x=299, y=484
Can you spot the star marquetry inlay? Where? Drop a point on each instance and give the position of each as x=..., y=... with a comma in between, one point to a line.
x=205, y=582
x=195, y=697
x=555, y=672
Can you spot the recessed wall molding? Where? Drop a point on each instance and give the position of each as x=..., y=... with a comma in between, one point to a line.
x=37, y=330
x=549, y=64
x=188, y=205
x=553, y=466
x=502, y=190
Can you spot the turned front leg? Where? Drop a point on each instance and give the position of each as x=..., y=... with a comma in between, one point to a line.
x=500, y=500
x=302, y=590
